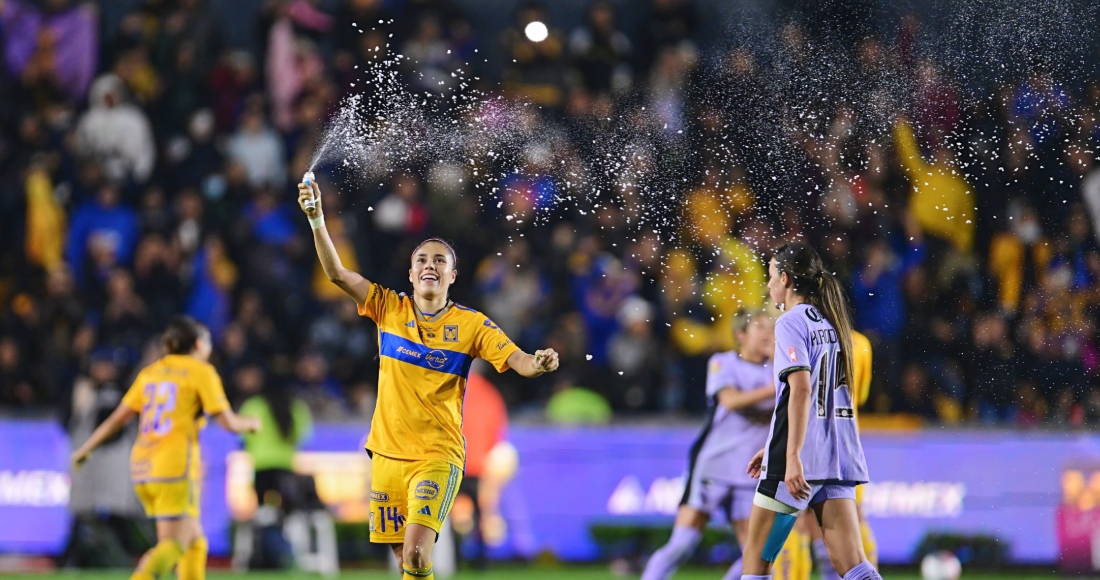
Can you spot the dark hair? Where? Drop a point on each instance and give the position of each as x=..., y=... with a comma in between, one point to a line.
x=821, y=289
x=454, y=256
x=279, y=400
x=181, y=334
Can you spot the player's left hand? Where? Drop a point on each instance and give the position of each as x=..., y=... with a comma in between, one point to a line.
x=546, y=361
x=756, y=464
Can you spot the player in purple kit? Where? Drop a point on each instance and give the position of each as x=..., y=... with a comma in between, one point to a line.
x=741, y=393
x=813, y=457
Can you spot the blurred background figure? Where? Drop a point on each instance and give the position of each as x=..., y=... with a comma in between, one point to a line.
x=109, y=529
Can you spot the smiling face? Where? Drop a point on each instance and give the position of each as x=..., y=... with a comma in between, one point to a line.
x=433, y=270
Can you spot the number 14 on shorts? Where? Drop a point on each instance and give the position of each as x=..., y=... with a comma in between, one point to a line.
x=387, y=514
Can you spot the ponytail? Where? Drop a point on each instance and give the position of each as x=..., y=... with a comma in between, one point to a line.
x=181, y=335
x=811, y=280
x=833, y=305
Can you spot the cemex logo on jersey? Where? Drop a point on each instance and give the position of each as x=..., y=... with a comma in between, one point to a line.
x=791, y=352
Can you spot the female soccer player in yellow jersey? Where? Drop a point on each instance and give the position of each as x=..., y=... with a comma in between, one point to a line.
x=426, y=344
x=172, y=395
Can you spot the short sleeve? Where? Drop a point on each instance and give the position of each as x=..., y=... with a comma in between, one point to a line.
x=718, y=375
x=211, y=392
x=135, y=397
x=493, y=345
x=379, y=301
x=790, y=346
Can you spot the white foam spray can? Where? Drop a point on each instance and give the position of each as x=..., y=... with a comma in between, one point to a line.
x=307, y=179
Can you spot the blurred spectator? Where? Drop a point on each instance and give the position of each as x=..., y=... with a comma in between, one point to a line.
x=482, y=436
x=287, y=424
x=635, y=355
x=620, y=220
x=104, y=229
x=17, y=384
x=917, y=396
x=116, y=133
x=257, y=148
x=993, y=370
x=941, y=200
x=671, y=24
x=571, y=405
x=601, y=52
x=58, y=49
x=534, y=67
x=317, y=389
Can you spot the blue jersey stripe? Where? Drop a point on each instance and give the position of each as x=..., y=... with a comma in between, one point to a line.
x=432, y=359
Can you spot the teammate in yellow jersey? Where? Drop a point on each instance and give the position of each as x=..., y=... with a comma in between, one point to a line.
x=426, y=345
x=172, y=395
x=796, y=560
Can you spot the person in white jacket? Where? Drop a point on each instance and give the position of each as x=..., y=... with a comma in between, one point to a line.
x=116, y=132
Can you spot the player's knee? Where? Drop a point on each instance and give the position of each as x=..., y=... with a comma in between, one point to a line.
x=416, y=557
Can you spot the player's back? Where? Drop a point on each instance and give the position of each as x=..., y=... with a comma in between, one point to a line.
x=172, y=394
x=807, y=341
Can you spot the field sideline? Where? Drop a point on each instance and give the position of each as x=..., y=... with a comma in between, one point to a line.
x=509, y=573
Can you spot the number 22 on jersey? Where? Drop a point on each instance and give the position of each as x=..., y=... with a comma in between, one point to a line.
x=160, y=401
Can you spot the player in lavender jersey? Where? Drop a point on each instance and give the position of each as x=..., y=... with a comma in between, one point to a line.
x=813, y=457
x=741, y=396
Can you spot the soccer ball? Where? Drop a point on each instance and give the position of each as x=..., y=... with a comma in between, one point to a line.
x=942, y=565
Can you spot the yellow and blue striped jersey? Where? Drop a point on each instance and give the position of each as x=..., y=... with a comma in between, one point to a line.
x=172, y=395
x=422, y=370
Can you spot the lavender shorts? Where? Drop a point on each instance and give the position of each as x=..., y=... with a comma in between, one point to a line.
x=777, y=491
x=710, y=496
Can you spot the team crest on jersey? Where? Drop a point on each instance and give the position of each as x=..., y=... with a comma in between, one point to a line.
x=791, y=352
x=427, y=490
x=450, y=333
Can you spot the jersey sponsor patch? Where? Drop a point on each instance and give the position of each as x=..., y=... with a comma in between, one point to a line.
x=425, y=511
x=436, y=359
x=450, y=333
x=791, y=352
x=379, y=496
x=427, y=490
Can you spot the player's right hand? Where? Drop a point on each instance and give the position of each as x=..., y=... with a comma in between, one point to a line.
x=755, y=465
x=77, y=460
x=796, y=482
x=306, y=193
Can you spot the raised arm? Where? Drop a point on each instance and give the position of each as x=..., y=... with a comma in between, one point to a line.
x=350, y=282
x=533, y=365
x=106, y=429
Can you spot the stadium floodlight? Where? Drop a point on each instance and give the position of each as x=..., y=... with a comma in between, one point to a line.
x=536, y=31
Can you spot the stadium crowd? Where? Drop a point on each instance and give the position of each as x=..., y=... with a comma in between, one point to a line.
x=151, y=171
